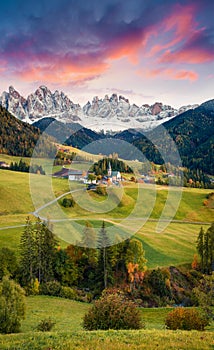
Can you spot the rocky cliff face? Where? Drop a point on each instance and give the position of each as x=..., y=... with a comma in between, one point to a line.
x=114, y=112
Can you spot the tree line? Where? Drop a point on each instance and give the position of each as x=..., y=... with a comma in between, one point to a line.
x=24, y=167
x=43, y=260
x=101, y=167
x=82, y=272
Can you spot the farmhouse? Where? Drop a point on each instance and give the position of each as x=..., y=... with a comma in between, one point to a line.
x=4, y=165
x=71, y=174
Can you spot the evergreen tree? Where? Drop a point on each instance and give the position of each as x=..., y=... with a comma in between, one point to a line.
x=48, y=252
x=206, y=253
x=37, y=253
x=89, y=236
x=27, y=254
x=205, y=248
x=104, y=267
x=38, y=250
x=200, y=247
x=210, y=233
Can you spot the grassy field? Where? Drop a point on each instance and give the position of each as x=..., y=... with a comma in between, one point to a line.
x=174, y=245
x=109, y=340
x=69, y=334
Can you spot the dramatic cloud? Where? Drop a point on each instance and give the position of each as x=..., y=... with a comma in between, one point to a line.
x=65, y=42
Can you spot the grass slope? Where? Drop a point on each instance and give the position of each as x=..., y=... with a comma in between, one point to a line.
x=175, y=245
x=68, y=333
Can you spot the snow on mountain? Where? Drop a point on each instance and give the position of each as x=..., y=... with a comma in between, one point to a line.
x=110, y=113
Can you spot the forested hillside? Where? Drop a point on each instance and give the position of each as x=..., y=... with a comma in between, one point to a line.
x=19, y=139
x=192, y=133
x=16, y=138
x=70, y=134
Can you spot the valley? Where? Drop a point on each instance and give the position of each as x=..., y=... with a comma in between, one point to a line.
x=150, y=222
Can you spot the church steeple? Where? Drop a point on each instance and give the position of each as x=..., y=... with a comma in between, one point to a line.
x=109, y=169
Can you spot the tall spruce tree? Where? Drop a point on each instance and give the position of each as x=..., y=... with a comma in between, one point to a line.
x=104, y=267
x=27, y=254
x=37, y=253
x=210, y=233
x=89, y=236
x=206, y=252
x=205, y=248
x=38, y=250
x=48, y=252
x=200, y=247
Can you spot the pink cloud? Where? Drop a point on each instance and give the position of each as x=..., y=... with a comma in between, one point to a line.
x=169, y=73
x=187, y=55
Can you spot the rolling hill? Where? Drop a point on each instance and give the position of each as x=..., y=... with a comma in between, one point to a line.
x=71, y=134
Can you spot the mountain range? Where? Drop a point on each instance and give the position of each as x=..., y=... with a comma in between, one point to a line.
x=188, y=138
x=192, y=131
x=109, y=113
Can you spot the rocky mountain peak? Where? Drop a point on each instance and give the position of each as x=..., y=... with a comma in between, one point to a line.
x=13, y=93
x=114, y=112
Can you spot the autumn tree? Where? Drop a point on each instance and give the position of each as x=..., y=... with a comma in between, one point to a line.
x=135, y=262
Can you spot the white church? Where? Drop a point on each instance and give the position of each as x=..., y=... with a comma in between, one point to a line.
x=113, y=176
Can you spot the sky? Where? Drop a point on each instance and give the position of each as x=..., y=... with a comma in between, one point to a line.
x=145, y=50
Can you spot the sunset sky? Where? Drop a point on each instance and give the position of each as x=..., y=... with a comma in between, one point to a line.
x=145, y=50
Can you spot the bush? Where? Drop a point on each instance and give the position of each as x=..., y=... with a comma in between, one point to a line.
x=113, y=311
x=101, y=190
x=12, y=306
x=68, y=293
x=68, y=202
x=52, y=288
x=45, y=325
x=186, y=319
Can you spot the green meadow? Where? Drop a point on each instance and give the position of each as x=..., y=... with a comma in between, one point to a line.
x=68, y=333
x=165, y=243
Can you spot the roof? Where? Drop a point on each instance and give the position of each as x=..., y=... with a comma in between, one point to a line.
x=64, y=172
x=115, y=173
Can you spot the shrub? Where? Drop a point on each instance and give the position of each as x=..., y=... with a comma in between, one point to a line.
x=12, y=306
x=186, y=319
x=68, y=202
x=45, y=325
x=68, y=293
x=101, y=190
x=52, y=288
x=113, y=311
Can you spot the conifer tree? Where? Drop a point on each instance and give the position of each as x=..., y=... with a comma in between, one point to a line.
x=200, y=247
x=205, y=248
x=206, y=252
x=48, y=252
x=104, y=245
x=89, y=236
x=210, y=233
x=27, y=253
